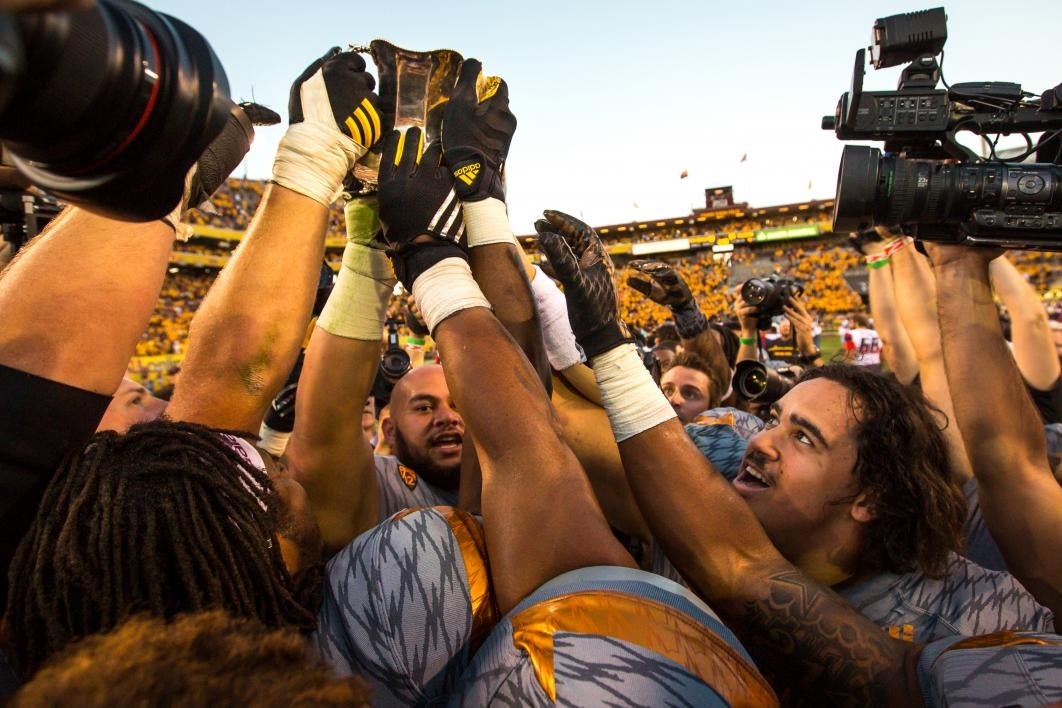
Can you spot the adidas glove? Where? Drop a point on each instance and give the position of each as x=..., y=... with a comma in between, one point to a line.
x=334, y=121
x=660, y=283
x=477, y=129
x=419, y=211
x=584, y=268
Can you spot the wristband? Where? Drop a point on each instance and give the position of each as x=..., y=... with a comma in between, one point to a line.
x=357, y=305
x=273, y=441
x=446, y=288
x=746, y=340
x=561, y=347
x=894, y=246
x=486, y=222
x=879, y=263
x=632, y=399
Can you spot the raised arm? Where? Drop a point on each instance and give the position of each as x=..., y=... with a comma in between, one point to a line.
x=1019, y=497
x=327, y=451
x=897, y=350
x=806, y=636
x=913, y=277
x=659, y=282
x=1034, y=350
x=247, y=333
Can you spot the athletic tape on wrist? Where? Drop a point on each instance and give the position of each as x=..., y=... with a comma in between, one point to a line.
x=632, y=399
x=445, y=288
x=273, y=441
x=561, y=347
x=313, y=159
x=357, y=306
x=486, y=222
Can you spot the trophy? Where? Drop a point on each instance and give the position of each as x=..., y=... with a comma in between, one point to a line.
x=414, y=88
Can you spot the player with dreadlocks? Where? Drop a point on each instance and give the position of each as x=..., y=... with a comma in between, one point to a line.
x=121, y=532
x=183, y=513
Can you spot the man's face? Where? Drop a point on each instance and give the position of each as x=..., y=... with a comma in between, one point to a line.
x=687, y=391
x=368, y=419
x=664, y=357
x=797, y=472
x=130, y=405
x=785, y=328
x=425, y=430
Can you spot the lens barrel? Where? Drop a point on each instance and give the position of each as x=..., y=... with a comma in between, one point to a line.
x=114, y=105
x=755, y=382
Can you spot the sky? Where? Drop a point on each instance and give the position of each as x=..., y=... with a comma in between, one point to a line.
x=616, y=99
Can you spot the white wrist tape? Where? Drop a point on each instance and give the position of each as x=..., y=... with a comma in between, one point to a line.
x=273, y=441
x=487, y=222
x=632, y=399
x=445, y=288
x=313, y=158
x=357, y=305
x=561, y=348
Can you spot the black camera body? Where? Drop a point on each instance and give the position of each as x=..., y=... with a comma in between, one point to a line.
x=768, y=295
x=928, y=182
x=395, y=362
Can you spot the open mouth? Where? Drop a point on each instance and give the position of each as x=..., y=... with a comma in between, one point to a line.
x=449, y=443
x=751, y=478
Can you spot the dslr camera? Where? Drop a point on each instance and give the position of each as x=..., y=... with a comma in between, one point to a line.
x=109, y=107
x=926, y=181
x=768, y=295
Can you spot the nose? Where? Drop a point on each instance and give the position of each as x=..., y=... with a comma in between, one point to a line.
x=675, y=399
x=446, y=416
x=764, y=444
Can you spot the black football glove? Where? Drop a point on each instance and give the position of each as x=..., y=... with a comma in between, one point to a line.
x=581, y=264
x=477, y=129
x=419, y=211
x=336, y=89
x=659, y=282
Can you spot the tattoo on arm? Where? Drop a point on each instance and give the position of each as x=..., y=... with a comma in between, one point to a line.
x=816, y=648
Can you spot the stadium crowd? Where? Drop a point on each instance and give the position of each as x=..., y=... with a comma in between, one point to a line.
x=553, y=513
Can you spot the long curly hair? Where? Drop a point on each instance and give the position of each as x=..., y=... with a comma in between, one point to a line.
x=164, y=519
x=902, y=463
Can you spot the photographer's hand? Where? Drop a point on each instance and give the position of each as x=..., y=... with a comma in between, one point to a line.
x=334, y=122
x=749, y=338
x=584, y=268
x=798, y=316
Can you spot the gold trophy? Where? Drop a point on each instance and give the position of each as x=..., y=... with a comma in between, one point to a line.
x=414, y=88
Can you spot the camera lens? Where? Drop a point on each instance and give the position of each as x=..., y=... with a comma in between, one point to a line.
x=755, y=291
x=857, y=186
x=115, y=104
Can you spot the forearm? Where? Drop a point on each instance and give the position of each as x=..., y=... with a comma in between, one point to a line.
x=918, y=312
x=1034, y=350
x=328, y=452
x=247, y=333
x=77, y=298
x=897, y=349
x=499, y=270
x=1021, y=502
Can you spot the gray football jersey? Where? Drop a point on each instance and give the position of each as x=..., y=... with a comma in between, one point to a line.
x=968, y=601
x=402, y=488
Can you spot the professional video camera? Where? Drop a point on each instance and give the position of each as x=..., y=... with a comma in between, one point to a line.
x=768, y=296
x=108, y=107
x=928, y=182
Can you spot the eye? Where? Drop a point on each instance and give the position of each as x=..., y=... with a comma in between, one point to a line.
x=771, y=422
x=803, y=438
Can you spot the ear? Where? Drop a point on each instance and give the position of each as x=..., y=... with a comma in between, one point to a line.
x=387, y=427
x=861, y=510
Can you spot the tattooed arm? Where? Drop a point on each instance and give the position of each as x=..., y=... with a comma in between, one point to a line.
x=807, y=639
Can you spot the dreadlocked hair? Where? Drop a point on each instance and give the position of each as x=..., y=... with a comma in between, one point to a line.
x=163, y=520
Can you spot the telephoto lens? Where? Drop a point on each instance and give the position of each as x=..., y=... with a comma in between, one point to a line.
x=109, y=107
x=758, y=383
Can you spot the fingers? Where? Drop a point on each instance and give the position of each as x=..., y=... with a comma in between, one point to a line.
x=465, y=90
x=558, y=252
x=403, y=151
x=580, y=236
x=645, y=287
x=391, y=155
